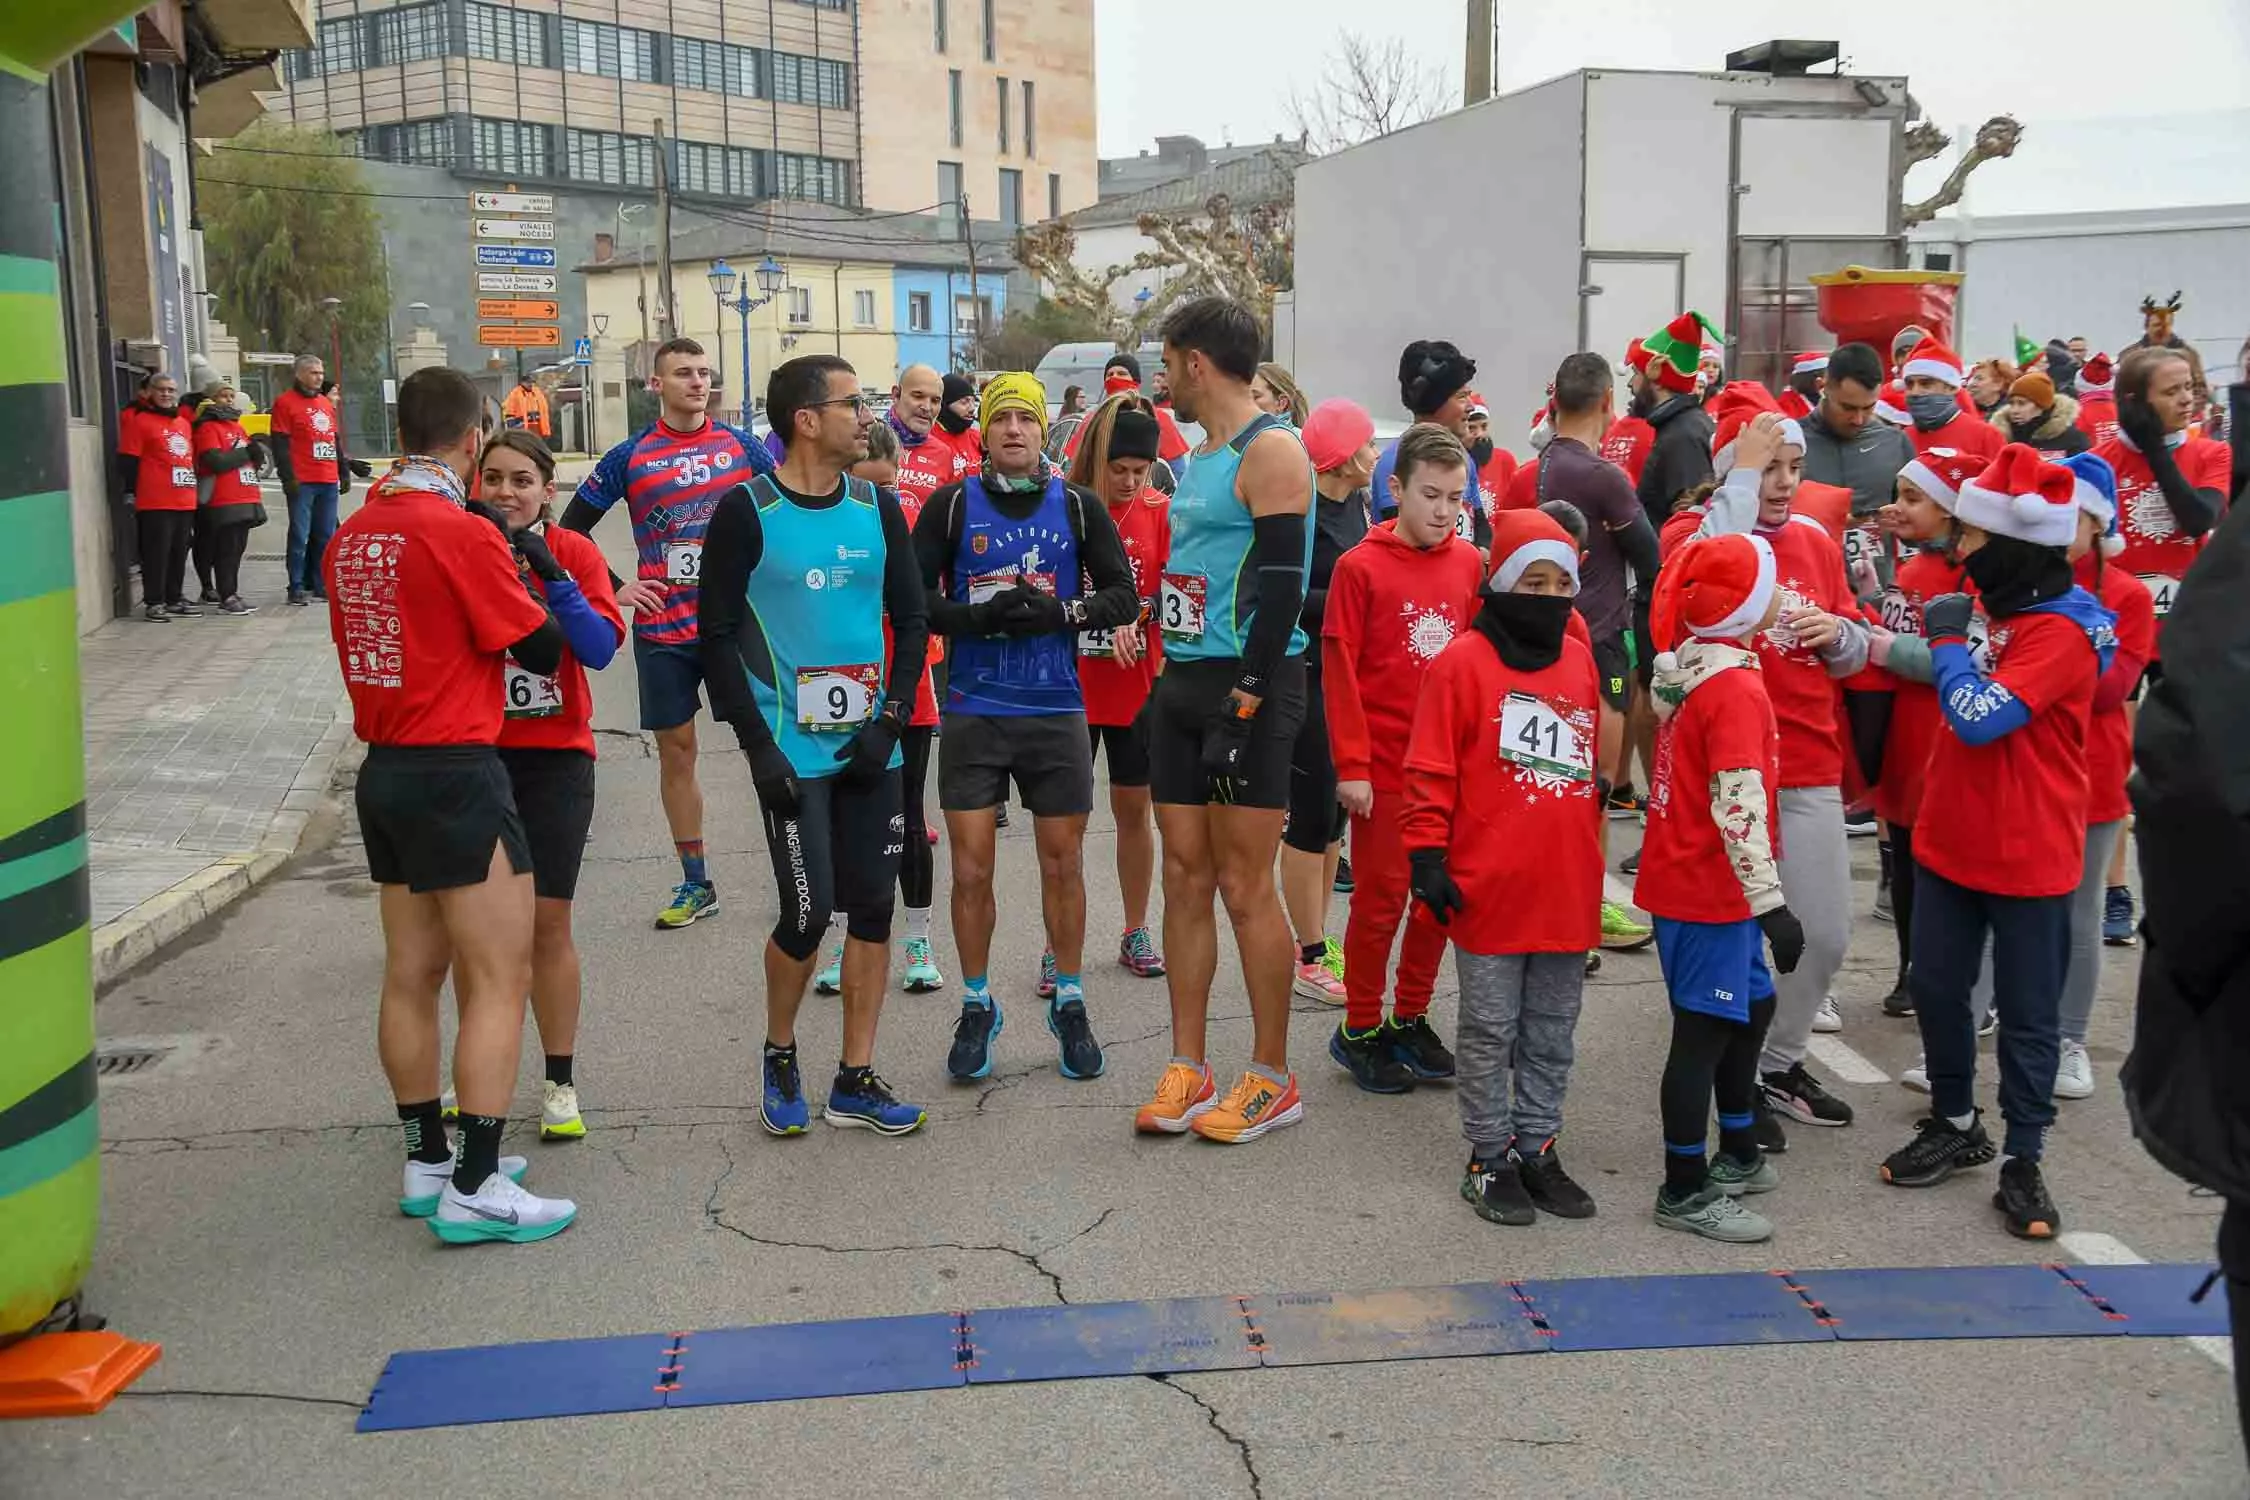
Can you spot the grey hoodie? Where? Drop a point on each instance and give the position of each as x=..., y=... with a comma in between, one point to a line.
x=1866, y=464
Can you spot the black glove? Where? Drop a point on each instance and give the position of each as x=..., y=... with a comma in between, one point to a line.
x=774, y=777
x=1024, y=610
x=499, y=522
x=1787, y=935
x=2138, y=420
x=532, y=548
x=1226, y=741
x=344, y=484
x=1946, y=618
x=868, y=755
x=288, y=491
x=1432, y=886
x=361, y=467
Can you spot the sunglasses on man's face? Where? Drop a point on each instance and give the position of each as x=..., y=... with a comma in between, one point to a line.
x=859, y=404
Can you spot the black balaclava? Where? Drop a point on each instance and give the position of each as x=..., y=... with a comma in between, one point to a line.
x=956, y=386
x=1526, y=629
x=2012, y=575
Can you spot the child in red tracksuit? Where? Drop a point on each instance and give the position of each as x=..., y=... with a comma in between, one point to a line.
x=1395, y=601
x=1502, y=827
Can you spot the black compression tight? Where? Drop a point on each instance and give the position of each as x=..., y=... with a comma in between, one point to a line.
x=917, y=864
x=1711, y=1059
x=1902, y=893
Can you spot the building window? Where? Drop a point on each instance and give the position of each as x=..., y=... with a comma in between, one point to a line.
x=991, y=35
x=918, y=311
x=815, y=177
x=800, y=306
x=937, y=22
x=608, y=51
x=835, y=84
x=1003, y=117
x=1011, y=197
x=949, y=193
x=953, y=106
x=410, y=33
x=511, y=148
x=970, y=314
x=417, y=143
x=1030, y=120
x=1054, y=195
x=716, y=171
x=718, y=67
x=498, y=34
x=863, y=309
x=338, y=49
x=605, y=156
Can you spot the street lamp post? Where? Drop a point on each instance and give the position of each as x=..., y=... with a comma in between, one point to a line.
x=771, y=277
x=722, y=278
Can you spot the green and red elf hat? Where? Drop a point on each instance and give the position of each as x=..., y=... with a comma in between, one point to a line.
x=1676, y=350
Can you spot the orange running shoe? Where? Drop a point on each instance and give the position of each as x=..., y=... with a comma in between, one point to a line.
x=1257, y=1105
x=1185, y=1091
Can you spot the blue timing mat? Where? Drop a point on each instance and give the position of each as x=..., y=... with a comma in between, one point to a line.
x=516, y=1382
x=2157, y=1301
x=1109, y=1338
x=1957, y=1302
x=868, y=1356
x=1673, y=1312
x=1430, y=1322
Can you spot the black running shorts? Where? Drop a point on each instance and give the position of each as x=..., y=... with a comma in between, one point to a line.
x=1047, y=755
x=1187, y=696
x=555, y=797
x=431, y=814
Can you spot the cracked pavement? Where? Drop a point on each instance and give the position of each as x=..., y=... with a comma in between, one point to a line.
x=249, y=1226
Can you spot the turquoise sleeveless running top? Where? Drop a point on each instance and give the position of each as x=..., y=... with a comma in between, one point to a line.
x=1210, y=586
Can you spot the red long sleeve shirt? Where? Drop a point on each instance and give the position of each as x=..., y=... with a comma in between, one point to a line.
x=1392, y=607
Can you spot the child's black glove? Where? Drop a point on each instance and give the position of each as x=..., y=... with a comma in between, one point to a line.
x=1787, y=935
x=1435, y=889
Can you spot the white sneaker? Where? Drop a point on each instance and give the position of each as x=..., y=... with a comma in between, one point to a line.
x=1826, y=1018
x=425, y=1181
x=1989, y=1024
x=1917, y=1077
x=558, y=1114
x=499, y=1210
x=2074, y=1076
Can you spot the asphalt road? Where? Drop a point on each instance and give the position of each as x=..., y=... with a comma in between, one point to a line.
x=249, y=1228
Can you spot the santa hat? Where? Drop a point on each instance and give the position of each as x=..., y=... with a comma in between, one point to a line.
x=1940, y=473
x=1890, y=404
x=2023, y=496
x=1542, y=428
x=1479, y=408
x=1934, y=360
x=1811, y=362
x=1335, y=431
x=2097, y=377
x=1738, y=404
x=2095, y=489
x=1716, y=587
x=1523, y=537
x=1675, y=351
x=1637, y=357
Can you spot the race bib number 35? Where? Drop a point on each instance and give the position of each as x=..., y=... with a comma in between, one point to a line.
x=1533, y=735
x=1179, y=605
x=2165, y=592
x=836, y=698
x=683, y=563
x=527, y=695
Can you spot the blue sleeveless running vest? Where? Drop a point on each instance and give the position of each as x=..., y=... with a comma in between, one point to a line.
x=1211, y=585
x=816, y=601
x=1023, y=676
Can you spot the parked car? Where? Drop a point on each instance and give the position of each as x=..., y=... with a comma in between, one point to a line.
x=1067, y=365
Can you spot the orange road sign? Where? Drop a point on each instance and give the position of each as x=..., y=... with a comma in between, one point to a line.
x=508, y=307
x=502, y=336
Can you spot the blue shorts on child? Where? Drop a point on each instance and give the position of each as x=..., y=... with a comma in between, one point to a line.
x=1717, y=968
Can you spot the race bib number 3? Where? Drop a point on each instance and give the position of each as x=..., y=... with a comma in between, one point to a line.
x=527, y=695
x=1179, y=605
x=2165, y=592
x=1534, y=736
x=683, y=563
x=323, y=451
x=835, y=698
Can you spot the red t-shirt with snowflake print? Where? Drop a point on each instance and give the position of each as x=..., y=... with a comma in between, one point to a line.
x=1500, y=775
x=2156, y=551
x=1392, y=607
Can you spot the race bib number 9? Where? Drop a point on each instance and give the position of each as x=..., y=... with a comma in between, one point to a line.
x=683, y=563
x=835, y=698
x=527, y=695
x=2163, y=591
x=1533, y=735
x=323, y=450
x=1179, y=605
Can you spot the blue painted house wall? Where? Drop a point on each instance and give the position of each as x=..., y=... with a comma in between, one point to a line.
x=944, y=346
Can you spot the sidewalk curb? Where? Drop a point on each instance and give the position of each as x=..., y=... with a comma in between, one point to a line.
x=133, y=936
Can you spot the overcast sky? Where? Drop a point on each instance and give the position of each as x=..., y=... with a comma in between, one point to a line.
x=1224, y=69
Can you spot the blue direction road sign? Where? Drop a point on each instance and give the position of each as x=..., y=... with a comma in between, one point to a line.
x=514, y=255
x=582, y=352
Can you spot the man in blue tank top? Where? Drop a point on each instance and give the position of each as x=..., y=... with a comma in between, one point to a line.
x=1015, y=564
x=1224, y=716
x=805, y=573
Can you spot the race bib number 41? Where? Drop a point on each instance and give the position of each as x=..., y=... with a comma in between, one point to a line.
x=527, y=695
x=683, y=563
x=2165, y=592
x=836, y=698
x=1179, y=605
x=1533, y=735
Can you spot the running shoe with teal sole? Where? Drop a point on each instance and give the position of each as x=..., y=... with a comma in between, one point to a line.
x=830, y=979
x=922, y=974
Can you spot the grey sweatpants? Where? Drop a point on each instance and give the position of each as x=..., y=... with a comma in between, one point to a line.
x=1516, y=1035
x=1816, y=881
x=2085, y=973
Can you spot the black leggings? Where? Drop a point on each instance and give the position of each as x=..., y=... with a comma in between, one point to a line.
x=1711, y=1058
x=838, y=851
x=226, y=544
x=1316, y=819
x=165, y=537
x=917, y=864
x=1902, y=893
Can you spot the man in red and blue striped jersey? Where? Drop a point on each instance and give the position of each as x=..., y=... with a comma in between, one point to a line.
x=670, y=477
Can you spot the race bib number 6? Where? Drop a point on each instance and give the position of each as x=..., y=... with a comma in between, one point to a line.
x=683, y=563
x=1533, y=735
x=527, y=695
x=2165, y=592
x=1179, y=604
x=836, y=698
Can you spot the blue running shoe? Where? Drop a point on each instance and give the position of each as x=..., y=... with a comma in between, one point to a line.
x=783, y=1110
x=2117, y=917
x=861, y=1101
x=1081, y=1054
x=971, y=1057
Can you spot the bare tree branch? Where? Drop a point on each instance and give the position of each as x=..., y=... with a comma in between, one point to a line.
x=1367, y=89
x=1996, y=140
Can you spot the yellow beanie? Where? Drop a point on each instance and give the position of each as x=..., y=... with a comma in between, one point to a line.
x=1015, y=391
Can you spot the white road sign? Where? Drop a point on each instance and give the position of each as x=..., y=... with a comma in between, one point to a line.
x=512, y=203
x=514, y=283
x=515, y=229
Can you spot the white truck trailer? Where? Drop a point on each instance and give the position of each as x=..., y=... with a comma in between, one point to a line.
x=1585, y=211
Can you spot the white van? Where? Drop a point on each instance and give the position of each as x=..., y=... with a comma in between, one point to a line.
x=1067, y=365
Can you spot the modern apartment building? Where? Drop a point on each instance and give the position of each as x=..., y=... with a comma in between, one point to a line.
x=885, y=104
